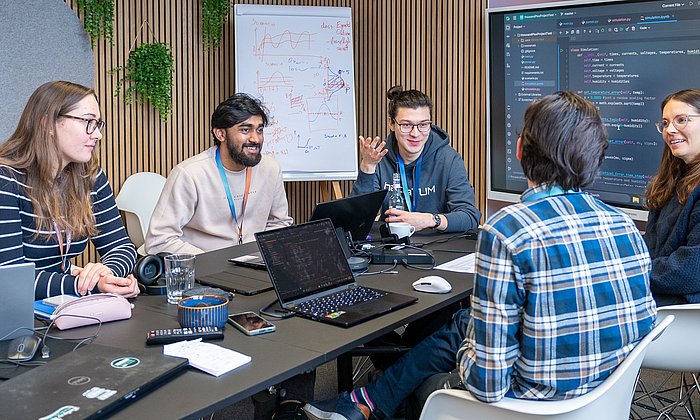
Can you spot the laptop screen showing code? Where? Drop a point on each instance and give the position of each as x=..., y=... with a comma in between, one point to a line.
x=304, y=259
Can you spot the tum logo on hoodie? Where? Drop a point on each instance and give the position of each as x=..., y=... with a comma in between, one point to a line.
x=422, y=192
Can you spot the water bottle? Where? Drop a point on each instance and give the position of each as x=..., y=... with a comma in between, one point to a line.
x=396, y=201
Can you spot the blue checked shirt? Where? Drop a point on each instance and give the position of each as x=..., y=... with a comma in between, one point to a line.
x=561, y=296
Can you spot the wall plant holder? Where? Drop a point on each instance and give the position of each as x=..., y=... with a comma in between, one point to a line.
x=148, y=74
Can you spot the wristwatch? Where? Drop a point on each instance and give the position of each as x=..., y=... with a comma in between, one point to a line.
x=438, y=220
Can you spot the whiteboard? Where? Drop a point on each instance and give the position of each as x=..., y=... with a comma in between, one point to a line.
x=299, y=61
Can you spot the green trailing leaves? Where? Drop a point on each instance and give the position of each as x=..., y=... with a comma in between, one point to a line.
x=149, y=76
x=98, y=18
x=214, y=15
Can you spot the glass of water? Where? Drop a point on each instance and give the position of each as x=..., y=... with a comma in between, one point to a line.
x=179, y=275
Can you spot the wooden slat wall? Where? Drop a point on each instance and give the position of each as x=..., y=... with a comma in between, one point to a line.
x=436, y=46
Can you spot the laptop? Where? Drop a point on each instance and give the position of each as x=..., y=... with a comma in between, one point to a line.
x=238, y=280
x=354, y=214
x=87, y=383
x=309, y=272
x=16, y=300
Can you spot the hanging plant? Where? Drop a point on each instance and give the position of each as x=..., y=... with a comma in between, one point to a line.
x=98, y=17
x=149, y=74
x=214, y=15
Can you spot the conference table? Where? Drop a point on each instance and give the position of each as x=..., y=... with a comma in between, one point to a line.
x=297, y=346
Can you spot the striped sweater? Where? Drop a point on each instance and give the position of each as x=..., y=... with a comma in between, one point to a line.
x=18, y=242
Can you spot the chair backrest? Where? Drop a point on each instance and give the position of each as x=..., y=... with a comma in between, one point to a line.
x=137, y=198
x=609, y=400
x=678, y=349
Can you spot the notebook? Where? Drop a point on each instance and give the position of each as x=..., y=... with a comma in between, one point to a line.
x=87, y=383
x=238, y=280
x=253, y=260
x=307, y=267
x=354, y=214
x=16, y=300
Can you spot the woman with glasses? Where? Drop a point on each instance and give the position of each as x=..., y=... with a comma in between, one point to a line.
x=433, y=176
x=673, y=196
x=54, y=197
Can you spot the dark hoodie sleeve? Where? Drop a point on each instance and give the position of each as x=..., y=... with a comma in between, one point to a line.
x=365, y=183
x=461, y=214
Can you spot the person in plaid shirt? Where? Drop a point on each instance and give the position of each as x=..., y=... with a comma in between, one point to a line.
x=561, y=293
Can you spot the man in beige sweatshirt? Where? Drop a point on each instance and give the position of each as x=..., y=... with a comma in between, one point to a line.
x=224, y=195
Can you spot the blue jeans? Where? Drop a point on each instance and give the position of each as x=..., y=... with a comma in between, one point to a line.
x=435, y=354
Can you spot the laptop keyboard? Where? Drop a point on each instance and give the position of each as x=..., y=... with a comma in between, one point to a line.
x=332, y=303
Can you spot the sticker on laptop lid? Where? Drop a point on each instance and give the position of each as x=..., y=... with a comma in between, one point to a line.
x=99, y=393
x=335, y=315
x=125, y=362
x=61, y=412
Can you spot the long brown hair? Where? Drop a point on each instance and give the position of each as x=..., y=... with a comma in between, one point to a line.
x=675, y=177
x=33, y=149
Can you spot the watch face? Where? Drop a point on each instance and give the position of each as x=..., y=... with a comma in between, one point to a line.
x=437, y=219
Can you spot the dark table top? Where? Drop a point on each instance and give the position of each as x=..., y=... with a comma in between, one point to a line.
x=298, y=344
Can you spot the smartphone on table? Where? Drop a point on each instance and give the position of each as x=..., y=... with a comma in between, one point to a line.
x=251, y=323
x=59, y=300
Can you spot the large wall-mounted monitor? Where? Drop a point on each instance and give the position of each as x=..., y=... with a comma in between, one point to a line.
x=624, y=56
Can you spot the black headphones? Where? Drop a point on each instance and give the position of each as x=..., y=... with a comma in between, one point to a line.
x=149, y=271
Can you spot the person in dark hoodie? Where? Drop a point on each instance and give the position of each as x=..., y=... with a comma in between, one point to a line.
x=673, y=196
x=421, y=152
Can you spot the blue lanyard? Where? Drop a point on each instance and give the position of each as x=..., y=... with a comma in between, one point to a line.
x=416, y=181
x=227, y=188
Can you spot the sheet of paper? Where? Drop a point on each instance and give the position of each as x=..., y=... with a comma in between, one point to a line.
x=210, y=358
x=464, y=264
x=246, y=258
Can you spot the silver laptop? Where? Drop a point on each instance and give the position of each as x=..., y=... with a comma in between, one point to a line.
x=16, y=300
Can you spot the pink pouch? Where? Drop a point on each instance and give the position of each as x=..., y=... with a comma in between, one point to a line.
x=88, y=310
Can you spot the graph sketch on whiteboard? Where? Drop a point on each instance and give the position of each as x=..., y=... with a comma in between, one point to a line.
x=298, y=61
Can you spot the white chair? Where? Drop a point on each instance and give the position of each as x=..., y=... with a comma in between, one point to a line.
x=676, y=351
x=609, y=400
x=137, y=198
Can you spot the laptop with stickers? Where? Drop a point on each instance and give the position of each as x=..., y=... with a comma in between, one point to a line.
x=312, y=277
x=87, y=383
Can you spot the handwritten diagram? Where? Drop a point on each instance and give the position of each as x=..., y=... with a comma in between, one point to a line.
x=298, y=61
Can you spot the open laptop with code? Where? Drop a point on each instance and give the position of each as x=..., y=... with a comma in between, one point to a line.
x=312, y=277
x=87, y=383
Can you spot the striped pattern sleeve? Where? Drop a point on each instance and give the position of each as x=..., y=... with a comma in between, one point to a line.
x=12, y=200
x=112, y=242
x=20, y=243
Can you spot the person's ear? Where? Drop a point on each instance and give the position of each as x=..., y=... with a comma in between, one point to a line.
x=220, y=134
x=519, y=148
x=390, y=121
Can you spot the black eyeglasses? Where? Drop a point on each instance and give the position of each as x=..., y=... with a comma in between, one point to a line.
x=406, y=128
x=679, y=121
x=92, y=124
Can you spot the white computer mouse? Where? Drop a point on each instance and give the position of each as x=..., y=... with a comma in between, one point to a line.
x=432, y=284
